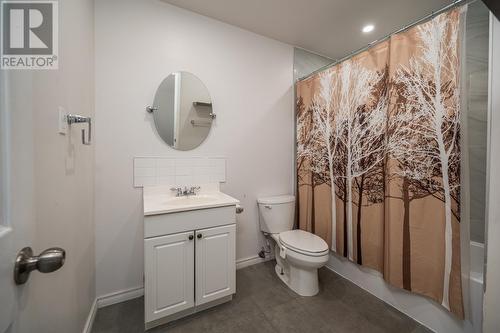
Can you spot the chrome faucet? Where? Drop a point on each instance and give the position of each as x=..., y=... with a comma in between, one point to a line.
x=186, y=192
x=178, y=190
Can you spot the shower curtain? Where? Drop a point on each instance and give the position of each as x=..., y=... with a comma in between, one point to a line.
x=378, y=158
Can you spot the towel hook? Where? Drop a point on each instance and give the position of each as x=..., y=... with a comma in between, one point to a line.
x=76, y=119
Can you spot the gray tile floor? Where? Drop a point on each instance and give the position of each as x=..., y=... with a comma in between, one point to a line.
x=264, y=304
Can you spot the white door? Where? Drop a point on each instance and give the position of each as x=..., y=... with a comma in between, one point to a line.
x=215, y=263
x=20, y=224
x=8, y=239
x=169, y=271
x=7, y=288
x=47, y=180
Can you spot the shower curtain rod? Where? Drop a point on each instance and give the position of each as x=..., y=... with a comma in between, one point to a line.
x=377, y=41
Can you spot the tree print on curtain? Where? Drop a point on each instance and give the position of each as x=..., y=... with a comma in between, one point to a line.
x=378, y=159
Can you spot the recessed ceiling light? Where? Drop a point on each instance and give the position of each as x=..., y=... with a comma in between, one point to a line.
x=368, y=28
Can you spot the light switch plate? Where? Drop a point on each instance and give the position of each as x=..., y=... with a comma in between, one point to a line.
x=62, y=121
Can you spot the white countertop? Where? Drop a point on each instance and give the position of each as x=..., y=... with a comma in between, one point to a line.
x=161, y=200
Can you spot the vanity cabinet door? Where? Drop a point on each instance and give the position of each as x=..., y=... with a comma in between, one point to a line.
x=169, y=272
x=215, y=263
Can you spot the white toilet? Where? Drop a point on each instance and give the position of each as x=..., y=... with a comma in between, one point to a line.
x=298, y=253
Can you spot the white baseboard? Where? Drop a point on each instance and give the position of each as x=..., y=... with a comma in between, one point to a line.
x=110, y=299
x=128, y=294
x=119, y=296
x=245, y=262
x=90, y=319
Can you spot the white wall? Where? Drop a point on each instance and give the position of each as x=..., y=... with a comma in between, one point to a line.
x=52, y=186
x=138, y=43
x=491, y=321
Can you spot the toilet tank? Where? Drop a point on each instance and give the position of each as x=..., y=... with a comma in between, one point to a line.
x=276, y=214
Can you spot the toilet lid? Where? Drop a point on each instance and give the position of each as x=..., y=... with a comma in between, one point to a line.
x=303, y=241
x=276, y=200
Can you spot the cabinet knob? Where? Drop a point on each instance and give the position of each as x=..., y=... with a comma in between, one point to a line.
x=191, y=237
x=199, y=235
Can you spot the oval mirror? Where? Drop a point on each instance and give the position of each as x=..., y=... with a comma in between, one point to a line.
x=182, y=111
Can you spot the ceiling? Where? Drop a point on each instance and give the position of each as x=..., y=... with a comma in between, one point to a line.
x=331, y=28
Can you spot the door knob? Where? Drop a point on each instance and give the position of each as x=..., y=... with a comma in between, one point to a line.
x=191, y=237
x=199, y=236
x=48, y=261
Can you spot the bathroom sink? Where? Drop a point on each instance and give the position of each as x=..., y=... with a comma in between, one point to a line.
x=161, y=200
x=191, y=200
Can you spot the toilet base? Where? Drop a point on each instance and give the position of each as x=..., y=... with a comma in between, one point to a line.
x=281, y=274
x=298, y=271
x=303, y=282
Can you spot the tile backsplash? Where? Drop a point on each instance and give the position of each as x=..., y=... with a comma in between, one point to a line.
x=153, y=171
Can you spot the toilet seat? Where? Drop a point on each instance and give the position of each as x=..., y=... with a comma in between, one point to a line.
x=303, y=242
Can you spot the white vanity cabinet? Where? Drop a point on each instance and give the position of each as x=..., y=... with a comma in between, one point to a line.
x=215, y=263
x=189, y=262
x=169, y=274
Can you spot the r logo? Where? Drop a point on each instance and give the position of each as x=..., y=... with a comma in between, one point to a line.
x=29, y=28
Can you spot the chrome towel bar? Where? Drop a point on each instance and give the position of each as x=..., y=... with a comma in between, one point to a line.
x=76, y=119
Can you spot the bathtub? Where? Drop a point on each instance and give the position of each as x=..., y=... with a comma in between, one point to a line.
x=420, y=308
x=476, y=285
